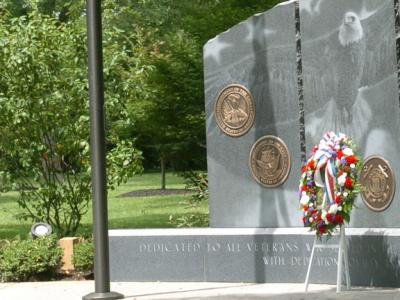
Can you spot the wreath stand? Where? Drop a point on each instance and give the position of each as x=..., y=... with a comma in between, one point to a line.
x=342, y=255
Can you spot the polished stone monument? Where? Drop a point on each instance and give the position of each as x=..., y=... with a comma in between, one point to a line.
x=274, y=84
x=259, y=54
x=351, y=84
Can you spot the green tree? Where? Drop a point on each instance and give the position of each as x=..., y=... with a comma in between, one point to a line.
x=172, y=131
x=44, y=122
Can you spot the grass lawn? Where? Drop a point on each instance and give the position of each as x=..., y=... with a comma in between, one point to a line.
x=124, y=212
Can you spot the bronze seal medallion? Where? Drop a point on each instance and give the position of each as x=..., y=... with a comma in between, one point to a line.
x=269, y=161
x=379, y=185
x=234, y=110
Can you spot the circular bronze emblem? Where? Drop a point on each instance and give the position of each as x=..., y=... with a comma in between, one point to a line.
x=234, y=110
x=378, y=183
x=269, y=161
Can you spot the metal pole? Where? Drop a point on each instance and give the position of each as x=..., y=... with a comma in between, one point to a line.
x=97, y=142
x=309, y=265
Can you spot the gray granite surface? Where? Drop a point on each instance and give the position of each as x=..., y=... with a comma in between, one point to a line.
x=259, y=53
x=374, y=259
x=351, y=84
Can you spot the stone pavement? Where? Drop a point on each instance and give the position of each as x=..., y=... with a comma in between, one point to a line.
x=74, y=290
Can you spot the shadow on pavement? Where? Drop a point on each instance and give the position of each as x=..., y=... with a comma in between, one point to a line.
x=364, y=294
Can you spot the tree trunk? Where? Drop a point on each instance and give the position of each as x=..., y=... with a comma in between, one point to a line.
x=162, y=173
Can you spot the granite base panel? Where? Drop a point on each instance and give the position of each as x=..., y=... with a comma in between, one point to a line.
x=251, y=255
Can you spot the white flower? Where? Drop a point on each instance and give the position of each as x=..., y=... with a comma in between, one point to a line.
x=342, y=179
x=339, y=208
x=352, y=166
x=338, y=193
x=333, y=209
x=323, y=215
x=311, y=219
x=311, y=205
x=348, y=152
x=345, y=194
x=304, y=199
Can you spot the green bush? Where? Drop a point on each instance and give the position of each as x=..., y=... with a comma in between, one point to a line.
x=20, y=260
x=83, y=257
x=192, y=220
x=197, y=181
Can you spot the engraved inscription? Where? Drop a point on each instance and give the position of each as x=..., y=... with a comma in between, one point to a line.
x=234, y=110
x=275, y=254
x=269, y=161
x=378, y=183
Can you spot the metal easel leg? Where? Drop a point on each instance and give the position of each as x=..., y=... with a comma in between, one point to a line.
x=346, y=262
x=309, y=265
x=340, y=262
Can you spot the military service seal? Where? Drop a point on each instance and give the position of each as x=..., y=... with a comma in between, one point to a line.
x=234, y=110
x=377, y=179
x=269, y=161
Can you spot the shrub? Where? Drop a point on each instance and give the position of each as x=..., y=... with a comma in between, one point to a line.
x=192, y=220
x=44, y=122
x=83, y=257
x=197, y=181
x=20, y=260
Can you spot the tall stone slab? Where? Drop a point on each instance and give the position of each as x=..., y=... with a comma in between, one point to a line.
x=259, y=54
x=350, y=83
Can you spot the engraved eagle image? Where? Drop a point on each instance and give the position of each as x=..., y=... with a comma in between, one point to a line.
x=349, y=57
x=343, y=68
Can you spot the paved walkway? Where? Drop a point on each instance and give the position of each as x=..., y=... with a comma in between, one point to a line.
x=74, y=290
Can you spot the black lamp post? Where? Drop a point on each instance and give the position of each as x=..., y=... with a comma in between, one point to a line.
x=97, y=143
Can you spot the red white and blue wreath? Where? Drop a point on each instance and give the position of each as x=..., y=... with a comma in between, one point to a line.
x=329, y=183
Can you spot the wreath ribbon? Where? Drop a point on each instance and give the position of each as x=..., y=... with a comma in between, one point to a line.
x=326, y=155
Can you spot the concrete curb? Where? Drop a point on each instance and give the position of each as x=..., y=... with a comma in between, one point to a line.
x=74, y=290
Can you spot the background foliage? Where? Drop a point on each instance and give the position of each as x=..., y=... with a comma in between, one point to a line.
x=44, y=122
x=83, y=257
x=153, y=87
x=22, y=259
x=164, y=40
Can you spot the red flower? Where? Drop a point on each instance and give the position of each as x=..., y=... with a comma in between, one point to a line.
x=339, y=219
x=351, y=159
x=311, y=164
x=322, y=229
x=329, y=217
x=348, y=183
x=303, y=168
x=338, y=199
x=340, y=172
x=339, y=154
x=303, y=188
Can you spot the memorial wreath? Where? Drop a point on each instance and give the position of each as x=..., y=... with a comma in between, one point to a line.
x=329, y=183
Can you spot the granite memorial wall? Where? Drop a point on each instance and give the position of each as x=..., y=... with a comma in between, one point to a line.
x=273, y=85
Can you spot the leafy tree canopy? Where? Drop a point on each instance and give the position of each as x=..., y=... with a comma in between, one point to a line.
x=44, y=122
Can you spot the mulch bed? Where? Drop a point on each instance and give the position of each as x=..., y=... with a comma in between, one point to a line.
x=155, y=192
